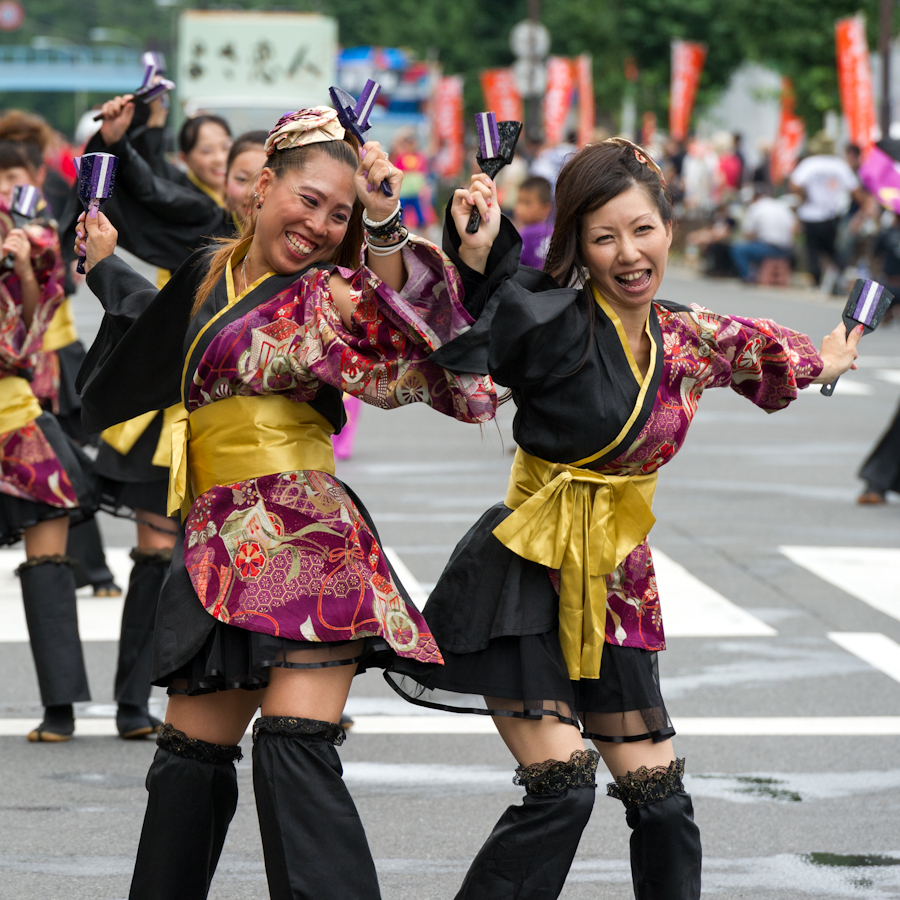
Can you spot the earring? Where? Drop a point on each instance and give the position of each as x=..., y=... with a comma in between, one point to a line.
x=259, y=205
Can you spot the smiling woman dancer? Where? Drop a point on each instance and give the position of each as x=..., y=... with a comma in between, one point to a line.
x=279, y=590
x=548, y=608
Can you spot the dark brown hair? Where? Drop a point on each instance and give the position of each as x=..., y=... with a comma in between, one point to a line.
x=29, y=134
x=539, y=186
x=591, y=178
x=281, y=162
x=249, y=140
x=190, y=131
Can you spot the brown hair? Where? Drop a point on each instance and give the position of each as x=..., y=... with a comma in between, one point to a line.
x=538, y=186
x=280, y=162
x=30, y=136
x=249, y=140
x=591, y=178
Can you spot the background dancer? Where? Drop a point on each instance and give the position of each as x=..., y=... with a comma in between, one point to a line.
x=279, y=590
x=43, y=475
x=548, y=607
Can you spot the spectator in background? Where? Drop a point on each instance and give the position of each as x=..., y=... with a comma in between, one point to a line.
x=769, y=228
x=738, y=139
x=825, y=184
x=731, y=166
x=550, y=160
x=887, y=256
x=762, y=174
x=415, y=192
x=533, y=219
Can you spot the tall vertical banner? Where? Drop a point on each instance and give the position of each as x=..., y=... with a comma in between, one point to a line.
x=688, y=58
x=789, y=140
x=501, y=94
x=447, y=112
x=584, y=78
x=558, y=98
x=855, y=80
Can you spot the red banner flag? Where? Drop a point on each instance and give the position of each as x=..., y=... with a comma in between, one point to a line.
x=585, y=80
x=501, y=94
x=688, y=58
x=855, y=80
x=558, y=98
x=791, y=132
x=448, y=126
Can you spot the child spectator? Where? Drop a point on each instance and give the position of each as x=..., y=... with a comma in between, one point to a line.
x=533, y=219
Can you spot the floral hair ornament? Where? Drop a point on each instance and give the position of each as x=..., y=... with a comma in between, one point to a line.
x=640, y=154
x=306, y=126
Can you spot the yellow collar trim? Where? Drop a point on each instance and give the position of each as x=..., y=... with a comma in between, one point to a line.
x=643, y=382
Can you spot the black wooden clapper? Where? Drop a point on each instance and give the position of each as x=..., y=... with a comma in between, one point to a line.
x=354, y=115
x=866, y=306
x=496, y=148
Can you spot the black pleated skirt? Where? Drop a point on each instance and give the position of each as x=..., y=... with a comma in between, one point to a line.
x=495, y=617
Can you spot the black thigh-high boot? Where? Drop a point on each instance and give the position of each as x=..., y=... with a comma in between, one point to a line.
x=528, y=854
x=193, y=792
x=665, y=843
x=133, y=718
x=313, y=840
x=48, y=593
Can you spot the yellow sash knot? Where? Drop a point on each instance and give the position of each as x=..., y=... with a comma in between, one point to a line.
x=583, y=523
x=61, y=331
x=18, y=405
x=239, y=438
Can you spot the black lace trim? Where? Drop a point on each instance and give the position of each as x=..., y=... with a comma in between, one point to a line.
x=55, y=559
x=161, y=556
x=177, y=742
x=645, y=785
x=554, y=775
x=311, y=729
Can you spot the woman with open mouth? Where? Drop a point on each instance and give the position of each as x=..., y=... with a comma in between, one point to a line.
x=279, y=590
x=547, y=614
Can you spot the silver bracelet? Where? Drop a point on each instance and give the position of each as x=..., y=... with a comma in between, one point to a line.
x=370, y=224
x=389, y=250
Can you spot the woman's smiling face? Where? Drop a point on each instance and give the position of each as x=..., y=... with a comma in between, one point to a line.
x=625, y=245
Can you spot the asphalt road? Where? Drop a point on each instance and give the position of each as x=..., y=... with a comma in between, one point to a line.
x=782, y=673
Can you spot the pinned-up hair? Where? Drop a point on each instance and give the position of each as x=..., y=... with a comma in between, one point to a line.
x=281, y=162
x=249, y=140
x=591, y=178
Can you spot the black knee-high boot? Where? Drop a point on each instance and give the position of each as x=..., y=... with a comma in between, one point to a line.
x=133, y=718
x=193, y=791
x=531, y=848
x=48, y=593
x=313, y=840
x=665, y=843
x=85, y=546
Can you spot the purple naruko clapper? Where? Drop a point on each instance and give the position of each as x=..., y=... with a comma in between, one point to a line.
x=154, y=85
x=96, y=177
x=866, y=306
x=354, y=114
x=22, y=210
x=488, y=135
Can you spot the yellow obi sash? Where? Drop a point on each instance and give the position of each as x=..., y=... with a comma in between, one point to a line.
x=583, y=523
x=239, y=438
x=124, y=436
x=18, y=405
x=61, y=331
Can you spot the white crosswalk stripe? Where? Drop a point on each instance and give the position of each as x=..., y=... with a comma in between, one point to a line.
x=878, y=650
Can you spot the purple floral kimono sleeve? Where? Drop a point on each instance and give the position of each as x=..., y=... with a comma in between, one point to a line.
x=383, y=358
x=759, y=359
x=19, y=343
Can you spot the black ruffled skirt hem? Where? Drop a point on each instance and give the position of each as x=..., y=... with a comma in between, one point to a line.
x=526, y=678
x=123, y=498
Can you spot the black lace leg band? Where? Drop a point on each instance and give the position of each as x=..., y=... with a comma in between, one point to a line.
x=313, y=840
x=665, y=842
x=530, y=850
x=192, y=795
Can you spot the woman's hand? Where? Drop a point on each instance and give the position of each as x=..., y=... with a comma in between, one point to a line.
x=838, y=352
x=481, y=195
x=117, y=115
x=374, y=168
x=100, y=242
x=16, y=243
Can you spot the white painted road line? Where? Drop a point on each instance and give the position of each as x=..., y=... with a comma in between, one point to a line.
x=691, y=608
x=776, y=726
x=848, y=388
x=410, y=582
x=891, y=376
x=871, y=574
x=878, y=650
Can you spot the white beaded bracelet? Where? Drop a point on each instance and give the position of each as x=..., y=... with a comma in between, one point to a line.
x=389, y=250
x=370, y=224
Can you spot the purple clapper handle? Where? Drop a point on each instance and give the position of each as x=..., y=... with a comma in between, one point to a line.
x=93, y=203
x=353, y=114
